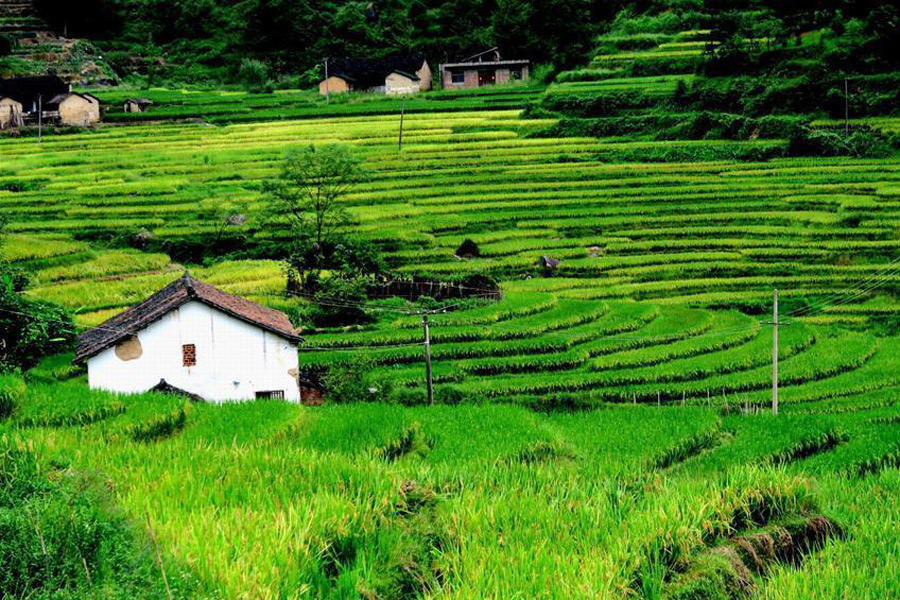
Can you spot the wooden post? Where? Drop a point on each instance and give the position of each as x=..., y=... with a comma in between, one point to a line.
x=683, y=394
x=658, y=398
x=634, y=398
x=775, y=354
x=428, y=359
x=40, y=117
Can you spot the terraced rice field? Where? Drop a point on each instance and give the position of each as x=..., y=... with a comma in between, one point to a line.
x=666, y=273
x=272, y=500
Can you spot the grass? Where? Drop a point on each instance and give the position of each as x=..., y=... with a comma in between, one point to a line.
x=281, y=501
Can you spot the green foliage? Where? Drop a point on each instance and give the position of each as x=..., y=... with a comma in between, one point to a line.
x=254, y=75
x=62, y=538
x=354, y=382
x=860, y=143
x=29, y=329
x=312, y=182
x=340, y=300
x=206, y=41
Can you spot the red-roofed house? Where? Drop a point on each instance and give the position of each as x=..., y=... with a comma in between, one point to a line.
x=196, y=338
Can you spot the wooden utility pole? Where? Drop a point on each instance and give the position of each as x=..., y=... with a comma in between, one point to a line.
x=428, y=359
x=775, y=354
x=327, y=84
x=402, y=113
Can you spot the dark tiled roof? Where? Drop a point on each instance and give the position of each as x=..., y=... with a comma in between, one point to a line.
x=27, y=89
x=370, y=72
x=177, y=293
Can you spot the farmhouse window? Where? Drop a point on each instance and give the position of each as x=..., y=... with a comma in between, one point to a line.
x=271, y=395
x=189, y=355
x=515, y=74
x=457, y=77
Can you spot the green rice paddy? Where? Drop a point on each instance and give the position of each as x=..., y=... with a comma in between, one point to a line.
x=647, y=352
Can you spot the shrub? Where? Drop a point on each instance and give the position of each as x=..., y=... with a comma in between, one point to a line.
x=30, y=330
x=339, y=302
x=353, y=381
x=449, y=395
x=254, y=75
x=409, y=396
x=860, y=143
x=468, y=249
x=54, y=532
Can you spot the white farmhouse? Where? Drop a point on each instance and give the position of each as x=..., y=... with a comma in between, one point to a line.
x=195, y=338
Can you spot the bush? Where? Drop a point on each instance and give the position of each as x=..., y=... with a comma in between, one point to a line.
x=353, y=382
x=409, y=396
x=52, y=532
x=860, y=143
x=254, y=76
x=339, y=302
x=29, y=329
x=468, y=249
x=449, y=395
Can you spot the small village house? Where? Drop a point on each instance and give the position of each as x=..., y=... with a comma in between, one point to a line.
x=46, y=98
x=197, y=339
x=138, y=105
x=73, y=109
x=392, y=75
x=484, y=68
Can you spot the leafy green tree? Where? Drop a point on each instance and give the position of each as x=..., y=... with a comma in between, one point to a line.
x=312, y=183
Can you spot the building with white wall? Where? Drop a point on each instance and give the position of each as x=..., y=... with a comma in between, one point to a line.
x=196, y=338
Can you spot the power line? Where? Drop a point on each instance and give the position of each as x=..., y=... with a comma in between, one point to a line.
x=862, y=288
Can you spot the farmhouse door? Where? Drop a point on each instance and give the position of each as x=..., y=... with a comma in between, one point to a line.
x=487, y=78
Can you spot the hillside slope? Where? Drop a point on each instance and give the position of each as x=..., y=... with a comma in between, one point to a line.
x=37, y=50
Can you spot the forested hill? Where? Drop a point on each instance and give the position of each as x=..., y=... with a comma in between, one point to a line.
x=208, y=39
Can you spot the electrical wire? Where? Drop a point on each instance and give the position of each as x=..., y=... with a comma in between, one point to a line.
x=864, y=287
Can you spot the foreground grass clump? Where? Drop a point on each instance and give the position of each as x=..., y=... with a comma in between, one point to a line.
x=61, y=536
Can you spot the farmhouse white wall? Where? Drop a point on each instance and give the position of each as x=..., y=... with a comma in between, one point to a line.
x=235, y=359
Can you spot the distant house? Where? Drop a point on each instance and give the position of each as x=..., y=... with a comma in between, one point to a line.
x=392, y=75
x=46, y=98
x=484, y=68
x=138, y=105
x=197, y=339
x=73, y=109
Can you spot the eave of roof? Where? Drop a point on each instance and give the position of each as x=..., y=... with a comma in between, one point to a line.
x=411, y=76
x=179, y=292
x=495, y=63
